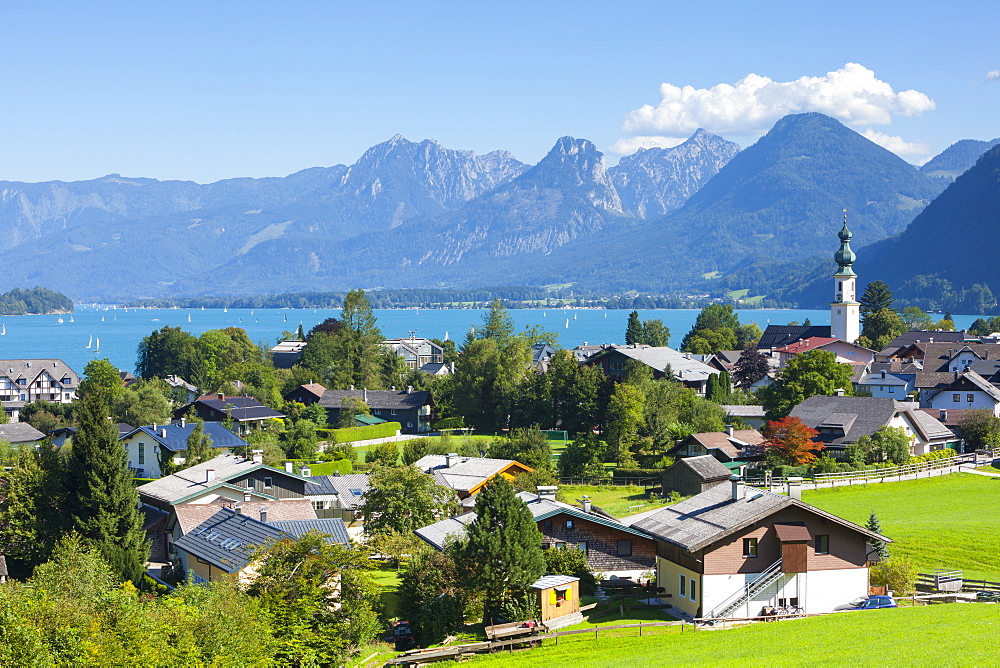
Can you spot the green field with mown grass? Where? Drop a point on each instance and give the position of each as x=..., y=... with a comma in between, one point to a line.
x=617, y=500
x=947, y=521
x=945, y=635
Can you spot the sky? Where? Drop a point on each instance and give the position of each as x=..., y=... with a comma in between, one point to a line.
x=211, y=89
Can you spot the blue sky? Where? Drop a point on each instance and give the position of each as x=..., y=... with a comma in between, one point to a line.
x=212, y=89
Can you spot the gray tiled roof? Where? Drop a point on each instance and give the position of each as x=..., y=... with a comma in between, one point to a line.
x=685, y=366
x=869, y=413
x=705, y=518
x=378, y=399
x=29, y=369
x=194, y=479
x=174, y=436
x=332, y=527
x=19, y=432
x=241, y=409
x=920, y=336
x=228, y=540
x=705, y=467
x=776, y=336
x=937, y=355
x=978, y=382
x=465, y=474
x=349, y=488
x=438, y=533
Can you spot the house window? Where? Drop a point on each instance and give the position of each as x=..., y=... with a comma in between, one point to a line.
x=892, y=389
x=823, y=544
x=548, y=525
x=198, y=579
x=560, y=546
x=957, y=398
x=318, y=505
x=617, y=366
x=569, y=525
x=377, y=411
x=582, y=546
x=683, y=586
x=624, y=548
x=749, y=547
x=142, y=453
x=561, y=594
x=392, y=412
x=267, y=483
x=694, y=590
x=970, y=398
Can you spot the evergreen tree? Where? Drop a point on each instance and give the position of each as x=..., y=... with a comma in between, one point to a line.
x=882, y=326
x=750, y=367
x=877, y=296
x=502, y=554
x=199, y=446
x=633, y=331
x=497, y=323
x=876, y=546
x=655, y=333
x=625, y=418
x=101, y=503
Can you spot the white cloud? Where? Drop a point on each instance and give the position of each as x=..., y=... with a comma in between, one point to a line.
x=629, y=145
x=897, y=145
x=993, y=75
x=851, y=94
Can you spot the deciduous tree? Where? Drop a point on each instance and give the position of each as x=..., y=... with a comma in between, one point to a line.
x=402, y=499
x=790, y=442
x=750, y=367
x=807, y=374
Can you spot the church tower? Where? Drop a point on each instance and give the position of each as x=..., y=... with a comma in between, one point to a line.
x=845, y=311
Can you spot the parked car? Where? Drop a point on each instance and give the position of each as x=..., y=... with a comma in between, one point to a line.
x=988, y=596
x=853, y=604
x=402, y=636
x=875, y=603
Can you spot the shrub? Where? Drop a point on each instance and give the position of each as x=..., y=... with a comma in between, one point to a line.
x=449, y=423
x=932, y=456
x=896, y=573
x=351, y=434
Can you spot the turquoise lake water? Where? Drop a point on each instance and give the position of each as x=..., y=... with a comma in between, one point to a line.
x=119, y=331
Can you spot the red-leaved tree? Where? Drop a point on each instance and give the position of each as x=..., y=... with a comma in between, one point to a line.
x=790, y=442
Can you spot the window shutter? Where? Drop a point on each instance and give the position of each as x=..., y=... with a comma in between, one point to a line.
x=552, y=597
x=569, y=593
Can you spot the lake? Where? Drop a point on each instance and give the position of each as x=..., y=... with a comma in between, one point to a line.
x=120, y=331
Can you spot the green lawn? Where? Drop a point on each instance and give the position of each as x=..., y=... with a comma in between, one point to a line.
x=942, y=522
x=387, y=579
x=989, y=468
x=947, y=635
x=615, y=500
x=609, y=613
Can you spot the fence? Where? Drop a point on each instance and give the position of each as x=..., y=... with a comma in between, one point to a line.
x=872, y=475
x=947, y=580
x=612, y=482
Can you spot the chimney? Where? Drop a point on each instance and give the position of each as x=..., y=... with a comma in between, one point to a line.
x=883, y=373
x=944, y=415
x=289, y=467
x=409, y=389
x=450, y=459
x=246, y=497
x=729, y=430
x=586, y=504
x=221, y=396
x=163, y=433
x=364, y=395
x=258, y=456
x=183, y=422
x=795, y=488
x=839, y=392
x=737, y=487
x=547, y=492
x=452, y=367
x=263, y=514
x=209, y=475
x=305, y=472
x=237, y=508
x=352, y=388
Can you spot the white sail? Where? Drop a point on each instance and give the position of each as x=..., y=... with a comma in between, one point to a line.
x=567, y=323
x=189, y=317
x=90, y=341
x=60, y=320
x=71, y=319
x=446, y=335
x=574, y=316
x=3, y=330
x=102, y=318
x=225, y=309
x=97, y=348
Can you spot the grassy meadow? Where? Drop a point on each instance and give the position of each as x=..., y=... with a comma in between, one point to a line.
x=942, y=522
x=618, y=500
x=926, y=635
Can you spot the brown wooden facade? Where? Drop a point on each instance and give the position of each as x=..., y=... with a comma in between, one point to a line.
x=604, y=543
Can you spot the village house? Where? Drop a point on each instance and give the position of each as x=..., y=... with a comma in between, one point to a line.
x=847, y=353
x=246, y=413
x=224, y=545
x=24, y=381
x=417, y=354
x=147, y=447
x=339, y=495
x=842, y=420
x=734, y=550
x=412, y=409
x=287, y=353
x=20, y=434
x=612, y=548
x=965, y=390
x=732, y=445
x=468, y=475
x=690, y=369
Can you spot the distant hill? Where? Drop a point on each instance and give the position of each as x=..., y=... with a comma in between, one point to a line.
x=36, y=301
x=956, y=159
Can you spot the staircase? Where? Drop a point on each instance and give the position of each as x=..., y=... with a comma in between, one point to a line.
x=748, y=591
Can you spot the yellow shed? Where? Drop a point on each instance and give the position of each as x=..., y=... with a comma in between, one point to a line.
x=558, y=596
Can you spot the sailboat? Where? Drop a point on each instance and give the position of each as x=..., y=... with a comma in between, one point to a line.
x=543, y=314
x=286, y=316
x=71, y=319
x=225, y=309
x=574, y=316
x=102, y=318
x=90, y=342
x=3, y=329
x=97, y=348
x=251, y=311
x=202, y=308
x=605, y=314
x=189, y=317
x=60, y=321
x=446, y=335
x=567, y=323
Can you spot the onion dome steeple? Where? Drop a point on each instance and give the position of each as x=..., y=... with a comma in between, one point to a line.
x=845, y=257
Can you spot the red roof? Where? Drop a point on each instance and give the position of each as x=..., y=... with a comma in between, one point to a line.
x=806, y=344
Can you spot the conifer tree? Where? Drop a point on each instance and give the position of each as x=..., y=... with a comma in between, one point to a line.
x=876, y=546
x=199, y=446
x=101, y=501
x=502, y=555
x=633, y=331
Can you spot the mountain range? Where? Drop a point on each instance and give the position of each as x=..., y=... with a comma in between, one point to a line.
x=412, y=214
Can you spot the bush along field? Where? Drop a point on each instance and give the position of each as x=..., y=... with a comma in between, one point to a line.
x=942, y=522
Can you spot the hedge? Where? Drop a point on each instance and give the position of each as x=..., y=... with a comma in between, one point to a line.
x=944, y=453
x=351, y=434
x=449, y=423
x=637, y=473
